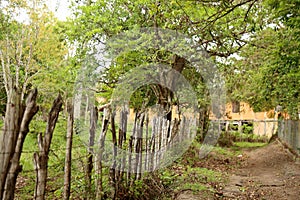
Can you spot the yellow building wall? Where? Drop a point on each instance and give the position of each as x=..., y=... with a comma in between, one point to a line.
x=264, y=123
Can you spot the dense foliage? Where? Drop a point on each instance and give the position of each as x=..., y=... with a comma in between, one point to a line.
x=268, y=72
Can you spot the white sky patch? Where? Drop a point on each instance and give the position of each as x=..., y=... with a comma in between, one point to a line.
x=60, y=8
x=18, y=14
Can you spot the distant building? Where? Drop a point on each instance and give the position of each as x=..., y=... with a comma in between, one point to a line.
x=240, y=113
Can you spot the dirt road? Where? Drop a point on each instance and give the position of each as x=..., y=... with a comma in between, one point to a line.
x=269, y=172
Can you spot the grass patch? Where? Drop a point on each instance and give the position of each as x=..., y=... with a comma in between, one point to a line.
x=249, y=144
x=228, y=152
x=179, y=178
x=194, y=187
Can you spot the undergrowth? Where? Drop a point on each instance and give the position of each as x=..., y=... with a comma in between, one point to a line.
x=187, y=173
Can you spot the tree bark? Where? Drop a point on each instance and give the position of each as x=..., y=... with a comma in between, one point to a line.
x=67, y=178
x=203, y=123
x=41, y=158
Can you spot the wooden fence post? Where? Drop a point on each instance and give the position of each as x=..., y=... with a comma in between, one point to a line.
x=41, y=157
x=68, y=159
x=99, y=172
x=19, y=130
x=89, y=164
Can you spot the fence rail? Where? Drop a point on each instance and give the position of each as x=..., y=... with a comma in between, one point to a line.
x=264, y=128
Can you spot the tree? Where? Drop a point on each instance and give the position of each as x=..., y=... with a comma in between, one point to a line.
x=218, y=27
x=271, y=60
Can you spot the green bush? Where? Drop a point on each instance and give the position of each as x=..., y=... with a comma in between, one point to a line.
x=247, y=129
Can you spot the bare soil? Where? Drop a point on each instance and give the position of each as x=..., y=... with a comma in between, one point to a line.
x=269, y=172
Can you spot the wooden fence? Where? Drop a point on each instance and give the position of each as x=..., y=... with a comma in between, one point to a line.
x=289, y=132
x=130, y=148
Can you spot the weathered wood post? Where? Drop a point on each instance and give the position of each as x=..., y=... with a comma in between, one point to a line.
x=99, y=172
x=68, y=159
x=41, y=158
x=16, y=127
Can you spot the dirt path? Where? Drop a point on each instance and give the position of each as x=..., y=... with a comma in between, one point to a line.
x=264, y=173
x=268, y=172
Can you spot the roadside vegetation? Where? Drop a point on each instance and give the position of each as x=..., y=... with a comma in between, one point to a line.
x=188, y=174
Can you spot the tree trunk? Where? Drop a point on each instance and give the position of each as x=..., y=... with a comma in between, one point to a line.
x=67, y=178
x=41, y=158
x=203, y=124
x=16, y=127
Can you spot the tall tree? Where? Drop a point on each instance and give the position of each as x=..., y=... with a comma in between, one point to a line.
x=270, y=63
x=218, y=27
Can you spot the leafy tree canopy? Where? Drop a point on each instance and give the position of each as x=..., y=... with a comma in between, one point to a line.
x=270, y=63
x=218, y=27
